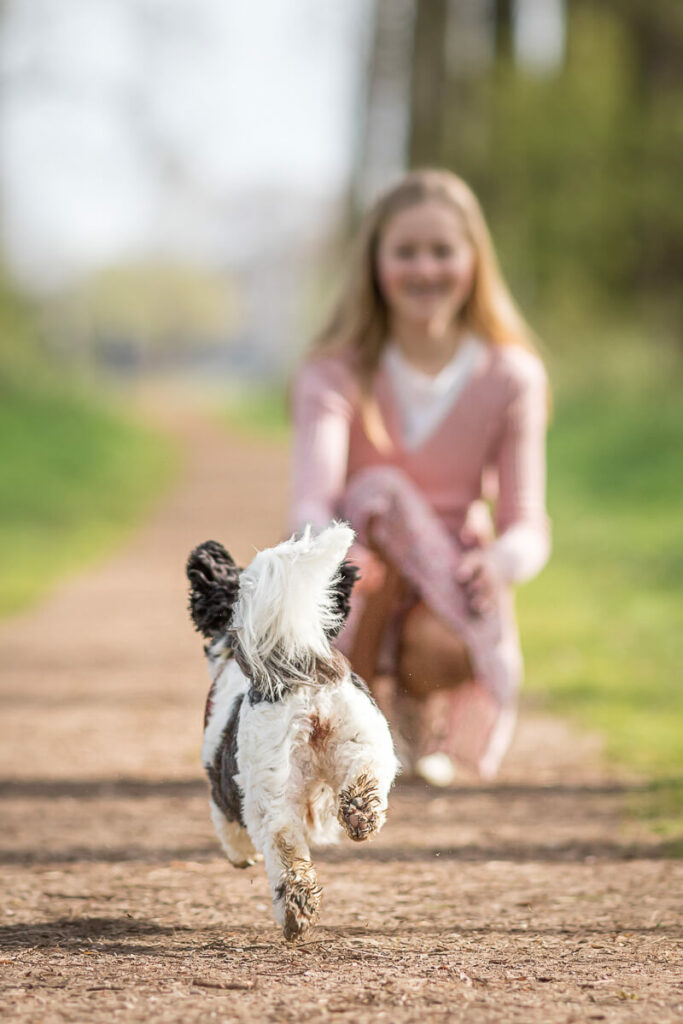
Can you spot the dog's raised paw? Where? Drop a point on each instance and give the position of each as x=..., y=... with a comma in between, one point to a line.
x=301, y=896
x=359, y=808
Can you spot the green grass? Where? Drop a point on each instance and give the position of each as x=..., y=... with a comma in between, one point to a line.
x=602, y=624
x=75, y=477
x=258, y=410
x=660, y=806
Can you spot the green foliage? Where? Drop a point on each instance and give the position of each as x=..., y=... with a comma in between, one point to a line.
x=22, y=356
x=154, y=305
x=601, y=625
x=579, y=171
x=660, y=804
x=262, y=411
x=76, y=476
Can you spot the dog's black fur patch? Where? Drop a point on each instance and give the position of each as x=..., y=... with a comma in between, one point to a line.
x=257, y=697
x=318, y=671
x=214, y=583
x=208, y=707
x=224, y=790
x=348, y=574
x=361, y=685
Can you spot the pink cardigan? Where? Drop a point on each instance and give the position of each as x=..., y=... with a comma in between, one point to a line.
x=490, y=444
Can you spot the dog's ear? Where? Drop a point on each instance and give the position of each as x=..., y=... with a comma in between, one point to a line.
x=214, y=583
x=348, y=574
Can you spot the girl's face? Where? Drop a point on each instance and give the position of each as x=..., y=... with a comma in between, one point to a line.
x=425, y=265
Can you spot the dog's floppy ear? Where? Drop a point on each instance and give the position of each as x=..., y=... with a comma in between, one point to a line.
x=348, y=574
x=214, y=583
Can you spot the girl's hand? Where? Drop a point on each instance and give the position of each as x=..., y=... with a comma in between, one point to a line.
x=372, y=569
x=479, y=579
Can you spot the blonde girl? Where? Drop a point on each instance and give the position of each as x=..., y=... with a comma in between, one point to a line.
x=421, y=405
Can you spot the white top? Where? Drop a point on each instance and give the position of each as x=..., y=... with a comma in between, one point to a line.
x=424, y=400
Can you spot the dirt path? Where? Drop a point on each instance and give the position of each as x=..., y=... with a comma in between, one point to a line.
x=525, y=900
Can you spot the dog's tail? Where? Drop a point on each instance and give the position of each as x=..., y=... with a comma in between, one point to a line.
x=294, y=597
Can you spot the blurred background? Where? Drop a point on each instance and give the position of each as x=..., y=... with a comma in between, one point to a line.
x=179, y=181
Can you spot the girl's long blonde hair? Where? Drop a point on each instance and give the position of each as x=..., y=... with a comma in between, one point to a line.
x=359, y=325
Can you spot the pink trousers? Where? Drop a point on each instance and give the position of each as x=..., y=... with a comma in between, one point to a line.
x=473, y=722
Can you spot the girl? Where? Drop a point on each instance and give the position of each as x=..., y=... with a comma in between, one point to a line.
x=422, y=401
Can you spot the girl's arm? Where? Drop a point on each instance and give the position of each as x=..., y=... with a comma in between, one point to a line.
x=323, y=402
x=522, y=546
x=323, y=405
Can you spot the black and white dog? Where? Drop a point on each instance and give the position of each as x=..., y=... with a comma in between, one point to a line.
x=295, y=748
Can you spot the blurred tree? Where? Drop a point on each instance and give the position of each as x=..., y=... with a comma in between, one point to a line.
x=382, y=142
x=578, y=159
x=21, y=351
x=427, y=107
x=502, y=13
x=656, y=39
x=141, y=315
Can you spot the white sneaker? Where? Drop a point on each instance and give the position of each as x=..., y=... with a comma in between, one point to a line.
x=436, y=769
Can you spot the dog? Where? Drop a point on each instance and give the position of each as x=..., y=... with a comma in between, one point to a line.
x=295, y=748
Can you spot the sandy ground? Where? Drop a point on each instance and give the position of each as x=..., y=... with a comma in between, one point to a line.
x=530, y=899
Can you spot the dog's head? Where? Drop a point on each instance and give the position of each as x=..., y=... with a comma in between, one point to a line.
x=282, y=581
x=293, y=597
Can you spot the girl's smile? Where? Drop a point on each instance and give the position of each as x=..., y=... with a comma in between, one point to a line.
x=425, y=265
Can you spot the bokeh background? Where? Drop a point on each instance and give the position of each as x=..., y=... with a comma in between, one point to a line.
x=179, y=181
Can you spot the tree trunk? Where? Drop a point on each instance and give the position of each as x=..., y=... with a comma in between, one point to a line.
x=503, y=30
x=383, y=136
x=428, y=82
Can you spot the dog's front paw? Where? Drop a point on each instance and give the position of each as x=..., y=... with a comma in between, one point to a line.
x=300, y=897
x=359, y=808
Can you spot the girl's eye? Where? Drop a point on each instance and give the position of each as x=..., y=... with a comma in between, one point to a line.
x=404, y=252
x=442, y=251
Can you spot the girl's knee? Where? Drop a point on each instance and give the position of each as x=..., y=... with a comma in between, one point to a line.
x=431, y=656
x=384, y=493
x=381, y=481
x=422, y=632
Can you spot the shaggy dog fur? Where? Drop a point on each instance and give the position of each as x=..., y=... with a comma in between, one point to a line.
x=295, y=748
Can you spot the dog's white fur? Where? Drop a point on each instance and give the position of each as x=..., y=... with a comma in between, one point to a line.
x=314, y=741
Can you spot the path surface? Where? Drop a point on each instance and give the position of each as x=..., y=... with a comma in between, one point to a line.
x=525, y=900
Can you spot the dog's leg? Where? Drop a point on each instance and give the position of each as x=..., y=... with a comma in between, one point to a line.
x=364, y=763
x=296, y=893
x=360, y=810
x=234, y=838
x=274, y=780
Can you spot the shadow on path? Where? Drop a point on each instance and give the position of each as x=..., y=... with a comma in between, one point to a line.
x=98, y=789
x=110, y=935
x=132, y=788
x=472, y=853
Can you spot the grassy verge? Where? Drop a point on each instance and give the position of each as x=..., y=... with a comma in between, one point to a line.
x=660, y=806
x=75, y=477
x=261, y=411
x=602, y=623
